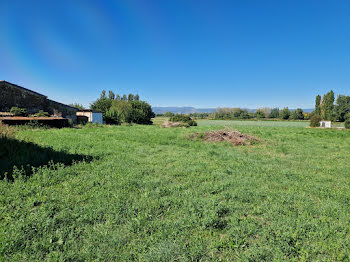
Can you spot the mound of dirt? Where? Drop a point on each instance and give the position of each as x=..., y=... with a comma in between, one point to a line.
x=236, y=138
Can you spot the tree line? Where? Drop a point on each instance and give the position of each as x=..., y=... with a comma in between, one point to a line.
x=272, y=113
x=328, y=110
x=229, y=113
x=123, y=108
x=331, y=109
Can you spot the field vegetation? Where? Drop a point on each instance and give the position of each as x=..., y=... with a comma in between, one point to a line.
x=118, y=109
x=147, y=193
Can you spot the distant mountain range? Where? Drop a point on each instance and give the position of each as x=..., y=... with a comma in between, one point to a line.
x=182, y=110
x=189, y=110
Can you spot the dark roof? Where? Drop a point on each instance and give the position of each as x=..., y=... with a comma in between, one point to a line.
x=63, y=104
x=21, y=87
x=88, y=110
x=33, y=92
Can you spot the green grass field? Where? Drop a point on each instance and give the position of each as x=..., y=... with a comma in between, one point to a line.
x=151, y=194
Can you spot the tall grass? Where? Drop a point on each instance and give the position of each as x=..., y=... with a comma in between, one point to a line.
x=151, y=194
x=7, y=131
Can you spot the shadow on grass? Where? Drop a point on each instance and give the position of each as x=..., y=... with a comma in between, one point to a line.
x=25, y=155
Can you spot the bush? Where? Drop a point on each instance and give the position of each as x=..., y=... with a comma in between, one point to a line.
x=184, y=119
x=297, y=114
x=315, y=121
x=192, y=123
x=137, y=111
x=275, y=112
x=141, y=112
x=347, y=124
x=111, y=117
x=169, y=114
x=35, y=124
x=284, y=113
x=260, y=114
x=347, y=116
x=41, y=113
x=18, y=111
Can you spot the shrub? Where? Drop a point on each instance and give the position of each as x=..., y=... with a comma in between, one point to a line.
x=184, y=119
x=141, y=112
x=137, y=111
x=315, y=121
x=192, y=123
x=41, y=113
x=285, y=113
x=347, y=124
x=70, y=123
x=275, y=112
x=7, y=131
x=169, y=114
x=297, y=114
x=111, y=117
x=35, y=124
x=18, y=111
x=260, y=114
x=347, y=116
x=245, y=115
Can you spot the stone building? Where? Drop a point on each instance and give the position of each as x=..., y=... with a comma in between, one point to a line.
x=12, y=95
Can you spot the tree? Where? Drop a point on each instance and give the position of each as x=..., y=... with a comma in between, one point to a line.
x=137, y=97
x=259, y=114
x=297, y=114
x=127, y=109
x=265, y=110
x=327, y=106
x=347, y=116
x=111, y=117
x=111, y=95
x=318, y=105
x=102, y=104
x=142, y=112
x=103, y=94
x=237, y=114
x=342, y=107
x=284, y=113
x=169, y=114
x=275, y=112
x=244, y=114
x=130, y=97
x=315, y=120
x=124, y=110
x=347, y=124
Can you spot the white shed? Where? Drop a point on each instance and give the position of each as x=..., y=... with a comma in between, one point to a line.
x=88, y=115
x=325, y=124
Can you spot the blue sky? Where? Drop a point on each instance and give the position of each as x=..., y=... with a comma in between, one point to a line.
x=179, y=52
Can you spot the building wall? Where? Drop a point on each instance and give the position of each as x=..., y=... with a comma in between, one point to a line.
x=82, y=113
x=326, y=124
x=93, y=117
x=10, y=96
x=97, y=118
x=58, y=109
